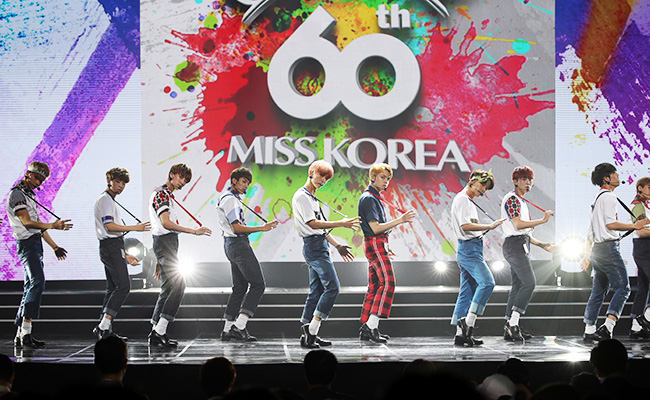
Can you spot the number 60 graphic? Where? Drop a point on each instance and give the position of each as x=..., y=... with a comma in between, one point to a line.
x=341, y=73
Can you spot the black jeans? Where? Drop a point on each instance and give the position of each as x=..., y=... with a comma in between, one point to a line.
x=173, y=284
x=246, y=271
x=516, y=250
x=118, y=284
x=641, y=255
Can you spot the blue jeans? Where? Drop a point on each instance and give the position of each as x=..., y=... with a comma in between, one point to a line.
x=30, y=251
x=173, y=284
x=118, y=284
x=323, y=281
x=609, y=271
x=521, y=272
x=476, y=280
x=246, y=271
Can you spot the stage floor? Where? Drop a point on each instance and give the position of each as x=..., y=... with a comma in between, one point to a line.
x=347, y=350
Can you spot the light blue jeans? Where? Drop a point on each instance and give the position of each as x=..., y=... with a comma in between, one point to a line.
x=609, y=271
x=476, y=280
x=323, y=281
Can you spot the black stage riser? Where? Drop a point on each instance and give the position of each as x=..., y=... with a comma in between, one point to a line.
x=416, y=312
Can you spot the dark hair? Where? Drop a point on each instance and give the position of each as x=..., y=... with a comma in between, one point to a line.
x=523, y=171
x=217, y=376
x=516, y=370
x=118, y=173
x=183, y=170
x=320, y=367
x=483, y=177
x=110, y=355
x=6, y=368
x=609, y=357
x=643, y=182
x=602, y=171
x=241, y=172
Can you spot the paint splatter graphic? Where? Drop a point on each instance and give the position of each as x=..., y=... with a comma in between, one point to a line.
x=462, y=98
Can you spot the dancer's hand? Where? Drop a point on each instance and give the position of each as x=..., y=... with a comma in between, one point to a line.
x=550, y=247
x=143, y=226
x=407, y=216
x=497, y=223
x=156, y=273
x=547, y=215
x=60, y=253
x=132, y=260
x=61, y=224
x=352, y=223
x=391, y=254
x=203, y=231
x=269, y=225
x=344, y=251
x=584, y=264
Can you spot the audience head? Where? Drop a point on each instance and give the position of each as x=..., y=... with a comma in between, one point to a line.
x=320, y=367
x=6, y=370
x=217, y=376
x=111, y=356
x=516, y=370
x=420, y=367
x=497, y=387
x=585, y=383
x=609, y=357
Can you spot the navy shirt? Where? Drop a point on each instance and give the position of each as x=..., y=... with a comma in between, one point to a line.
x=370, y=207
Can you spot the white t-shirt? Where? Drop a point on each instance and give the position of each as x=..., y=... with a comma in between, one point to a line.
x=19, y=201
x=513, y=206
x=603, y=213
x=159, y=202
x=229, y=210
x=464, y=212
x=305, y=209
x=106, y=211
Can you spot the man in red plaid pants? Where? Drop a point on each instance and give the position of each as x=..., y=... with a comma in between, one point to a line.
x=381, y=279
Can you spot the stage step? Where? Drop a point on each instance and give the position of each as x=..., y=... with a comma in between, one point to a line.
x=417, y=311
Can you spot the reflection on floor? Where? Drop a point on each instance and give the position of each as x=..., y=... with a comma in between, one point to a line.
x=347, y=350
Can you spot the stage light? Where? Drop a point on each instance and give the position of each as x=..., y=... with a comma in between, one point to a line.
x=572, y=248
x=134, y=248
x=440, y=266
x=498, y=265
x=187, y=268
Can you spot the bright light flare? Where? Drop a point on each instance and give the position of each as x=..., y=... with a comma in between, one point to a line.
x=440, y=266
x=498, y=265
x=572, y=248
x=134, y=251
x=187, y=268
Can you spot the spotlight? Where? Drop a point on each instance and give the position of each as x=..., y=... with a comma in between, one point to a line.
x=440, y=266
x=498, y=265
x=187, y=268
x=572, y=248
x=134, y=248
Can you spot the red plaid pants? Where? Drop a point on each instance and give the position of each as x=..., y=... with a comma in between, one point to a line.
x=381, y=278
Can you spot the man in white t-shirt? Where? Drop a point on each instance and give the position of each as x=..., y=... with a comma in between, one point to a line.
x=640, y=312
x=28, y=230
x=518, y=230
x=603, y=254
x=246, y=272
x=313, y=228
x=110, y=230
x=476, y=280
x=165, y=229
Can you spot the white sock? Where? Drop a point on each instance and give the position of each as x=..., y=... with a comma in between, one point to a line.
x=459, y=332
x=471, y=319
x=161, y=326
x=241, y=321
x=26, y=328
x=635, y=325
x=105, y=323
x=646, y=314
x=514, y=319
x=610, y=324
x=373, y=322
x=314, y=326
x=590, y=329
x=227, y=325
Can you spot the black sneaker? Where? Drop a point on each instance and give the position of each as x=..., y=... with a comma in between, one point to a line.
x=307, y=340
x=468, y=333
x=225, y=336
x=322, y=342
x=515, y=333
x=104, y=333
x=601, y=333
x=241, y=334
x=371, y=335
x=28, y=340
x=645, y=324
x=158, y=340
x=364, y=333
x=508, y=337
x=639, y=335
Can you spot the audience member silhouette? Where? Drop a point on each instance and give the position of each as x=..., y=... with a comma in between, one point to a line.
x=516, y=370
x=320, y=371
x=217, y=377
x=609, y=359
x=7, y=374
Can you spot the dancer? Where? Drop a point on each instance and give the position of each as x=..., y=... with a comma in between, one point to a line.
x=244, y=266
x=640, y=313
x=22, y=212
x=518, y=230
x=110, y=230
x=602, y=253
x=312, y=227
x=381, y=278
x=476, y=280
x=165, y=229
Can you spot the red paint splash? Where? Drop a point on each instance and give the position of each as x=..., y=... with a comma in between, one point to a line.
x=474, y=104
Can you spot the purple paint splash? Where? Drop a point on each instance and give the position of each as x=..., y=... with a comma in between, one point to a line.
x=106, y=74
